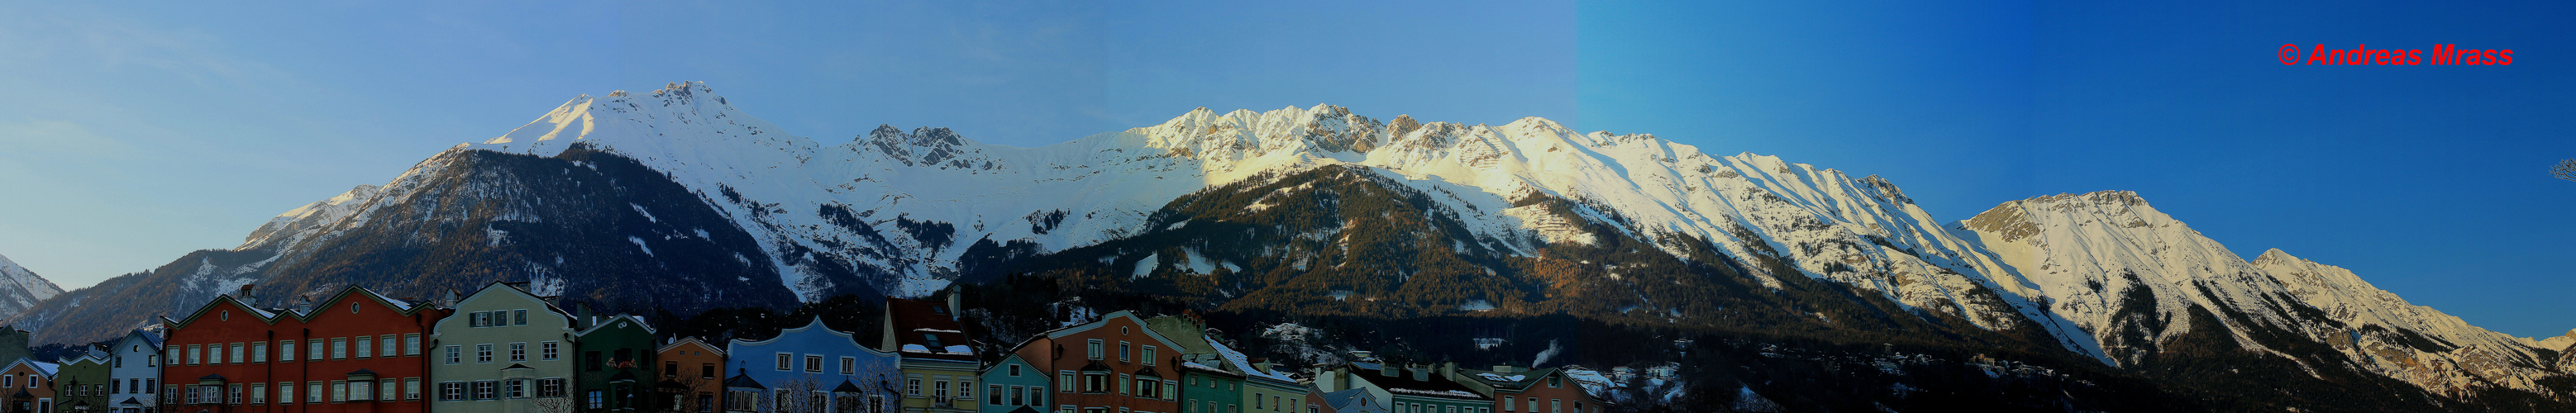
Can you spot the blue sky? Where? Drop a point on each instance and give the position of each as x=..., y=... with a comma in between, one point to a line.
x=131, y=136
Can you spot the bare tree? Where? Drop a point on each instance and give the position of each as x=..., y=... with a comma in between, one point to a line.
x=559, y=404
x=2566, y=169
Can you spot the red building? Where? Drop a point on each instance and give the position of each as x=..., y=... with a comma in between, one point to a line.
x=354, y=352
x=1114, y=365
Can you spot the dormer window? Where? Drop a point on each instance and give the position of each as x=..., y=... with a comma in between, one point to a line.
x=933, y=339
x=939, y=310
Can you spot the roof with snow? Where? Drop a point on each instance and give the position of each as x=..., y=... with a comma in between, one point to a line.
x=928, y=324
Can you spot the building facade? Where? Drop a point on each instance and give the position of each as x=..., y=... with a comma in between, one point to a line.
x=29, y=385
x=811, y=368
x=1522, y=390
x=1012, y=385
x=692, y=376
x=81, y=385
x=1410, y=389
x=134, y=371
x=505, y=351
x=1114, y=365
x=616, y=369
x=356, y=351
x=939, y=368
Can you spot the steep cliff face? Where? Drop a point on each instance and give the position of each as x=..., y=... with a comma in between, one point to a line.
x=21, y=288
x=592, y=226
x=2154, y=291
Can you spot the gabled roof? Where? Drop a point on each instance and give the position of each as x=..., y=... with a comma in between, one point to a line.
x=847, y=387
x=1514, y=382
x=1103, y=321
x=497, y=287
x=639, y=322
x=692, y=341
x=46, y=369
x=742, y=379
x=146, y=336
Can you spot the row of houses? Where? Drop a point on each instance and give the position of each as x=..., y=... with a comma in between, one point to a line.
x=505, y=349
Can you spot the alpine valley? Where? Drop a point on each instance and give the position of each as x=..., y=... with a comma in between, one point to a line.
x=1770, y=284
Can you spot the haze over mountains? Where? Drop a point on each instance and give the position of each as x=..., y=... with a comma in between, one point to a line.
x=675, y=200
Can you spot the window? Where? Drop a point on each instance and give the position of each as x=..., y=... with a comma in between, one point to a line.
x=487, y=390
x=741, y=400
x=1064, y=381
x=706, y=402
x=339, y=349
x=912, y=386
x=1015, y=370
x=481, y=319
x=259, y=352
x=813, y=363
x=455, y=354
x=482, y=353
x=596, y=398
x=1149, y=355
x=590, y=361
x=1146, y=388
x=1507, y=404
x=174, y=352
x=313, y=392
x=706, y=370
x=313, y=349
x=1095, y=382
x=550, y=387
x=411, y=344
x=849, y=365
x=1555, y=406
x=366, y=345
x=258, y=393
x=1095, y=349
x=411, y=388
x=386, y=391
x=670, y=369
x=782, y=361
x=516, y=389
x=939, y=388
x=1555, y=381
x=993, y=394
x=339, y=391
x=521, y=315
x=193, y=352
x=550, y=350
x=285, y=392
x=390, y=347
x=518, y=351
x=1123, y=351
x=451, y=391
x=362, y=390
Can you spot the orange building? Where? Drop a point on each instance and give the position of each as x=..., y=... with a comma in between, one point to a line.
x=354, y=352
x=29, y=385
x=692, y=377
x=1114, y=365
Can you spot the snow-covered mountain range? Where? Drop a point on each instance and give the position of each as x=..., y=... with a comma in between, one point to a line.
x=20, y=288
x=709, y=200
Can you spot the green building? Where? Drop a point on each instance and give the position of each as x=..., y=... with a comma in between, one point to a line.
x=504, y=350
x=81, y=386
x=616, y=364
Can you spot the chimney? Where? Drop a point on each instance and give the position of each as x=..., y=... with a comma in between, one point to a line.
x=1386, y=370
x=954, y=310
x=244, y=295
x=1449, y=369
x=1422, y=373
